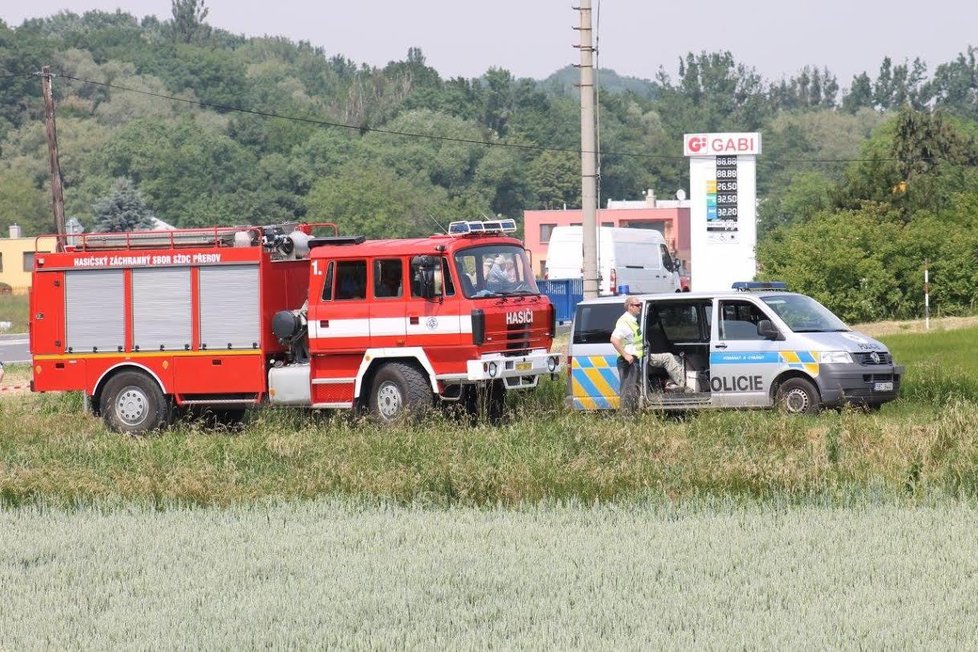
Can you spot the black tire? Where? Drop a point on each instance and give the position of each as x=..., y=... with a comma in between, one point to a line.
x=798, y=396
x=134, y=404
x=399, y=390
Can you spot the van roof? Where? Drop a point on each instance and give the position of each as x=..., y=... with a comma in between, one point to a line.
x=678, y=296
x=576, y=229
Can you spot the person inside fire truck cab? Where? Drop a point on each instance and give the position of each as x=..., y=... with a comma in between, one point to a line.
x=350, y=285
x=498, y=280
x=510, y=268
x=389, y=282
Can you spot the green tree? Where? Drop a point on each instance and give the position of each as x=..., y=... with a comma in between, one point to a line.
x=188, y=21
x=123, y=210
x=374, y=201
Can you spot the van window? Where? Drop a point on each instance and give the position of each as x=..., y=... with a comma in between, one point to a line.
x=594, y=323
x=738, y=320
x=804, y=314
x=666, y=258
x=682, y=322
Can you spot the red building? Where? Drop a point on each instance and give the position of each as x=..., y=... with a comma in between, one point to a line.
x=670, y=218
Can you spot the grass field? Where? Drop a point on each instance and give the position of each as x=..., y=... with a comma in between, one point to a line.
x=557, y=529
x=327, y=574
x=13, y=308
x=922, y=445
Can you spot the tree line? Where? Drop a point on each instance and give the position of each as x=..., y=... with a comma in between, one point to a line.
x=857, y=185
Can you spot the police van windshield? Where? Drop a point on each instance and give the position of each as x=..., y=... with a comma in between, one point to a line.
x=804, y=314
x=494, y=270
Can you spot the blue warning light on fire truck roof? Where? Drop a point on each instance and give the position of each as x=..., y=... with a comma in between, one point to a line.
x=494, y=226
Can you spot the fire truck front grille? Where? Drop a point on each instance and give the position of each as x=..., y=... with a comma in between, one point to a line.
x=518, y=338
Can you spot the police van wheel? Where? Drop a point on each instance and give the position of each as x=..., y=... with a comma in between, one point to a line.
x=798, y=396
x=134, y=404
x=398, y=390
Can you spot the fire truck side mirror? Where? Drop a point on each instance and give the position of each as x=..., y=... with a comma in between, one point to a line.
x=424, y=273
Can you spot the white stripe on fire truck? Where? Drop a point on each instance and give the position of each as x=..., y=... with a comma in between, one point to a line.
x=377, y=326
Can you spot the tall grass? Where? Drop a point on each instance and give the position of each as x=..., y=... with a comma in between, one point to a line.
x=921, y=446
x=329, y=574
x=13, y=308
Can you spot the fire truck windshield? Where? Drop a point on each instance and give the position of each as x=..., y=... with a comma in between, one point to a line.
x=494, y=270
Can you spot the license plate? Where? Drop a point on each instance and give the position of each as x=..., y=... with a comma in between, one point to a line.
x=883, y=387
x=524, y=366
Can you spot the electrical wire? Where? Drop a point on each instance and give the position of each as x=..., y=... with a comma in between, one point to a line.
x=405, y=134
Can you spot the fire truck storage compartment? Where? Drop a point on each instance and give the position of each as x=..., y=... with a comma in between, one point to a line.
x=161, y=311
x=229, y=311
x=228, y=374
x=95, y=319
x=289, y=385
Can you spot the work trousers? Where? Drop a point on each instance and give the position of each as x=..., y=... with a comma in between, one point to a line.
x=672, y=364
x=628, y=387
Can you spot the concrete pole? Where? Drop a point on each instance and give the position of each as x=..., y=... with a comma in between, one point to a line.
x=588, y=154
x=57, y=194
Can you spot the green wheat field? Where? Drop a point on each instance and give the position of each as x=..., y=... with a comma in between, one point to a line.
x=719, y=529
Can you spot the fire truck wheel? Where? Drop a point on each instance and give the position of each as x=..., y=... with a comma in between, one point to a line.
x=798, y=396
x=399, y=389
x=133, y=403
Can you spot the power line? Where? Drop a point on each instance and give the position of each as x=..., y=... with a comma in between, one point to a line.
x=406, y=134
x=327, y=123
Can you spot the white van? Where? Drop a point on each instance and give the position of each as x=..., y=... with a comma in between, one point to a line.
x=756, y=347
x=638, y=258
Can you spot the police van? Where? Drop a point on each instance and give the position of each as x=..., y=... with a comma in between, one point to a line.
x=757, y=345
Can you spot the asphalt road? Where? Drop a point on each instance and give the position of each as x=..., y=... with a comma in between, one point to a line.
x=14, y=348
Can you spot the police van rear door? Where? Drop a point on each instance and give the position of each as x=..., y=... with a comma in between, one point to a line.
x=743, y=364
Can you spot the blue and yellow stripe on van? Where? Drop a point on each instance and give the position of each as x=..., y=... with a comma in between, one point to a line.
x=804, y=360
x=594, y=382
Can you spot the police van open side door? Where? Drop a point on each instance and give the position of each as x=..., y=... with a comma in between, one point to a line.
x=743, y=363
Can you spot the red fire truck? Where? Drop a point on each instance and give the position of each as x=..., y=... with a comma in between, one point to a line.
x=150, y=324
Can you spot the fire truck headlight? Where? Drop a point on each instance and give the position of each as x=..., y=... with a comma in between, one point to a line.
x=552, y=363
x=492, y=369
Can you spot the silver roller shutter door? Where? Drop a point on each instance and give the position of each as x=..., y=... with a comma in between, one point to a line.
x=161, y=309
x=95, y=317
x=229, y=310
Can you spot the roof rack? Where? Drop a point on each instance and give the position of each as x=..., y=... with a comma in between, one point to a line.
x=461, y=228
x=751, y=286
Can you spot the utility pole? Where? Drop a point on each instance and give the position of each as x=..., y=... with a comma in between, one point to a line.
x=926, y=294
x=57, y=194
x=589, y=168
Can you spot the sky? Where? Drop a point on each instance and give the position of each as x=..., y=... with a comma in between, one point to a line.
x=533, y=38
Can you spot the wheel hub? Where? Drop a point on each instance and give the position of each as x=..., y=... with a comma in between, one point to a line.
x=389, y=400
x=796, y=401
x=131, y=405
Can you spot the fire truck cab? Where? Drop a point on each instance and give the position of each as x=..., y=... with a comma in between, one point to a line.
x=147, y=324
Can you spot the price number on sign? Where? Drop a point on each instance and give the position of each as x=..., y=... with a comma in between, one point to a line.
x=727, y=213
